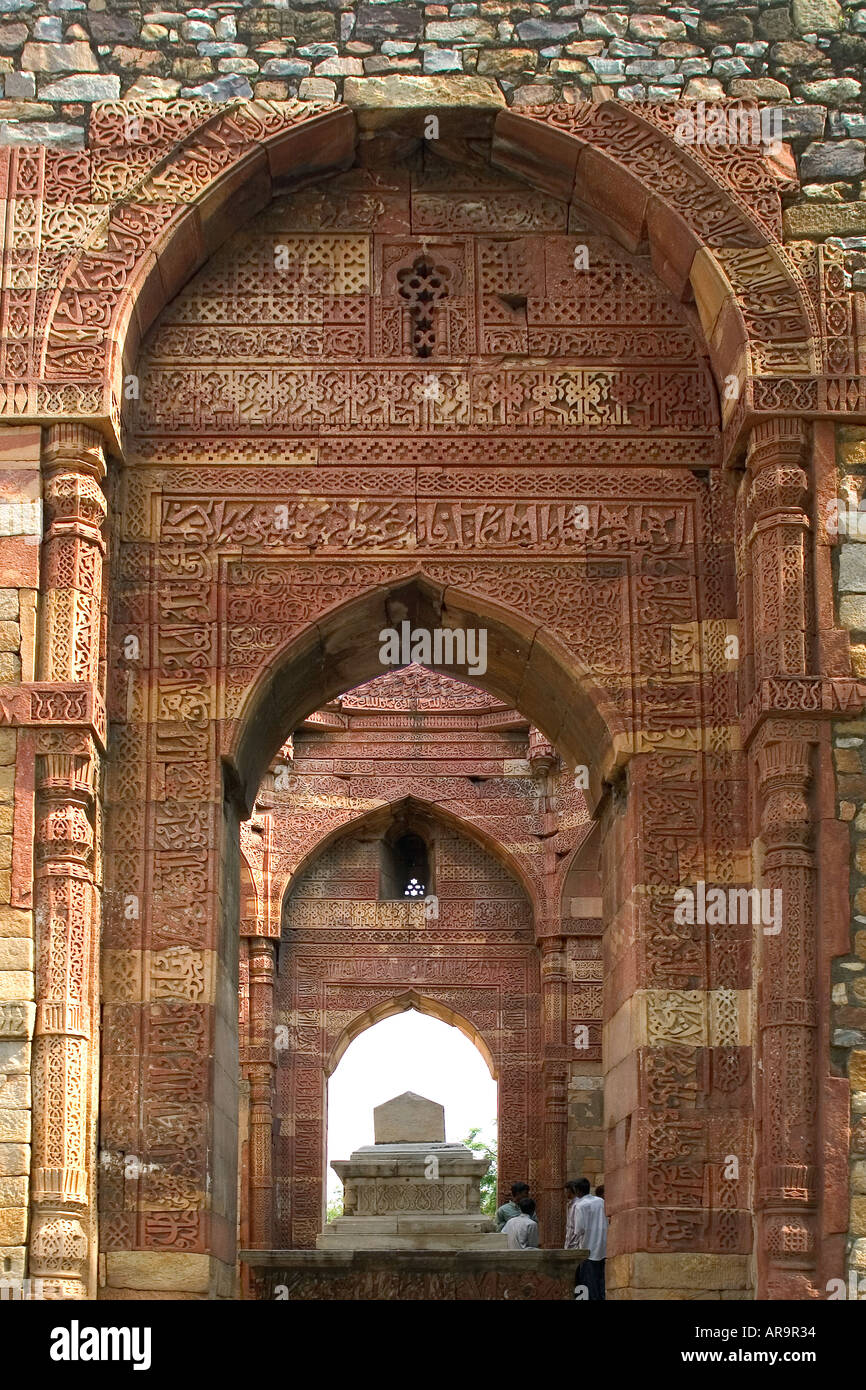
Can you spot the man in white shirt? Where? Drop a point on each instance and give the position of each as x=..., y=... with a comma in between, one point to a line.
x=521, y=1232
x=586, y=1229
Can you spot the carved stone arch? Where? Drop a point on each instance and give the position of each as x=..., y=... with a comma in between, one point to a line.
x=403, y=1003
x=528, y=666
x=482, y=830
x=712, y=220
x=174, y=191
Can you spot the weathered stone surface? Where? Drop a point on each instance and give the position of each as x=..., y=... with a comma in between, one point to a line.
x=14, y=1158
x=375, y=97
x=59, y=57
x=604, y=26
x=82, y=89
x=506, y=62
x=832, y=91
x=461, y=30
x=547, y=31
x=221, y=88
x=818, y=222
x=409, y=1119
x=16, y=953
x=799, y=122
x=725, y=29
x=678, y=1271
x=396, y=21
x=13, y=1225
x=761, y=89
x=656, y=27
x=158, y=1270
x=835, y=159
x=817, y=16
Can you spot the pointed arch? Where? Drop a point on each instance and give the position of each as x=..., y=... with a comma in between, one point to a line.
x=402, y=1003
x=710, y=219
x=476, y=830
x=526, y=666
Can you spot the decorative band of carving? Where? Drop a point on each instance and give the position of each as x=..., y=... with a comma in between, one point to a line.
x=66, y=775
x=783, y=1183
x=783, y=764
x=64, y=1016
x=77, y=703
x=798, y=695
x=60, y=1185
x=76, y=448
x=781, y=439
x=784, y=1013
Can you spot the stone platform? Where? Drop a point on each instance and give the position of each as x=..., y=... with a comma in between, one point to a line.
x=402, y=1275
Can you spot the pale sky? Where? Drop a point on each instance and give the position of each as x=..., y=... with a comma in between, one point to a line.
x=407, y=1052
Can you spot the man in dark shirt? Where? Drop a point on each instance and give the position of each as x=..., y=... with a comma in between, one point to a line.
x=519, y=1190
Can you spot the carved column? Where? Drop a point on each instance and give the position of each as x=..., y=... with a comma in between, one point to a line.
x=555, y=1076
x=777, y=543
x=788, y=1018
x=260, y=1067
x=67, y=768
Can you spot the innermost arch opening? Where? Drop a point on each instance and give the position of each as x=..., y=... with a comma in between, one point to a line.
x=410, y=1051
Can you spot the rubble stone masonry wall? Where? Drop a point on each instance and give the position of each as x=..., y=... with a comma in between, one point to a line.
x=57, y=57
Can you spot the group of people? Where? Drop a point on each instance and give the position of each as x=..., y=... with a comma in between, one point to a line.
x=585, y=1229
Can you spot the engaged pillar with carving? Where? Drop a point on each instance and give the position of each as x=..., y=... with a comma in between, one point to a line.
x=555, y=1075
x=788, y=1014
x=62, y=1247
x=775, y=550
x=259, y=1063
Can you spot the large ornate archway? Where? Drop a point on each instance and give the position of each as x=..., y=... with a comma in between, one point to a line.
x=632, y=609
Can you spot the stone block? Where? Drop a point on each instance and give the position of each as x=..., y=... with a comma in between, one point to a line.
x=220, y=89
x=678, y=1271
x=833, y=91
x=14, y=1192
x=605, y=26
x=12, y=37
x=409, y=1119
x=833, y=159
x=375, y=99
x=13, y=1225
x=817, y=221
x=164, y=1271
x=14, y=1091
x=105, y=88
x=852, y=568
x=15, y=985
x=547, y=30
x=14, y=1129
x=852, y=611
x=15, y=921
x=15, y=1055
x=317, y=89
x=59, y=57
x=14, y=1159
x=391, y=21
x=858, y=1216
x=651, y=26
x=16, y=953
x=799, y=122
x=817, y=16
